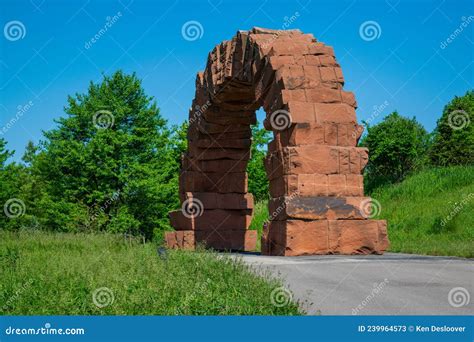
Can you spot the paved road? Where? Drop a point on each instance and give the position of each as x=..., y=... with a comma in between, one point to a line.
x=392, y=284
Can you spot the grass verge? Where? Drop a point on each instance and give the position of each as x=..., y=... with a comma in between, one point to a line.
x=58, y=274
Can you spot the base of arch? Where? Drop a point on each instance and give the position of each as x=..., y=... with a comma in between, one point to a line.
x=292, y=238
x=301, y=237
x=228, y=240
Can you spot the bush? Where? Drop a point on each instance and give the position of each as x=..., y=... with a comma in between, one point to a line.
x=397, y=146
x=453, y=141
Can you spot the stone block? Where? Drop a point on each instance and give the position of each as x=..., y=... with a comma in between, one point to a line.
x=308, y=185
x=183, y=239
x=214, y=200
x=211, y=219
x=192, y=181
x=317, y=208
x=298, y=237
x=230, y=240
x=317, y=159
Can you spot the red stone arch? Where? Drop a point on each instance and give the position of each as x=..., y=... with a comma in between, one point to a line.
x=317, y=203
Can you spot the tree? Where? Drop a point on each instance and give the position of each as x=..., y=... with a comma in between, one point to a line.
x=4, y=153
x=12, y=206
x=258, y=181
x=397, y=146
x=453, y=138
x=110, y=164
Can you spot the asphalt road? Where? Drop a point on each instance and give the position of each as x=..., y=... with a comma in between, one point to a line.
x=391, y=284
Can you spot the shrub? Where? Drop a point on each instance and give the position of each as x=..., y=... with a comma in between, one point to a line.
x=453, y=141
x=397, y=146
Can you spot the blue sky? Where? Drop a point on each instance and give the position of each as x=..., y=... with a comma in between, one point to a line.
x=407, y=65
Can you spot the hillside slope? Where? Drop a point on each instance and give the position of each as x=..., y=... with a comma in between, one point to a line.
x=431, y=212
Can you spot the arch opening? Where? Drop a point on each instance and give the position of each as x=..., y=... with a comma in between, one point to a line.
x=317, y=205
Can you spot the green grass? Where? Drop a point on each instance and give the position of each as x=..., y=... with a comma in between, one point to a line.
x=415, y=210
x=56, y=274
x=260, y=216
x=431, y=212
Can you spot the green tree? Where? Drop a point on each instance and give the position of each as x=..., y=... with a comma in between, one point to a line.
x=4, y=153
x=453, y=138
x=12, y=204
x=258, y=181
x=397, y=146
x=110, y=164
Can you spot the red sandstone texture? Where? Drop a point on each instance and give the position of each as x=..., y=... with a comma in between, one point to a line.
x=313, y=164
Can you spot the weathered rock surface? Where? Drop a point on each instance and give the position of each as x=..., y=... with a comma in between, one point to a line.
x=298, y=237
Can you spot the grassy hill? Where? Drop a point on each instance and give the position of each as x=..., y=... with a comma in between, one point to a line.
x=83, y=274
x=431, y=212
